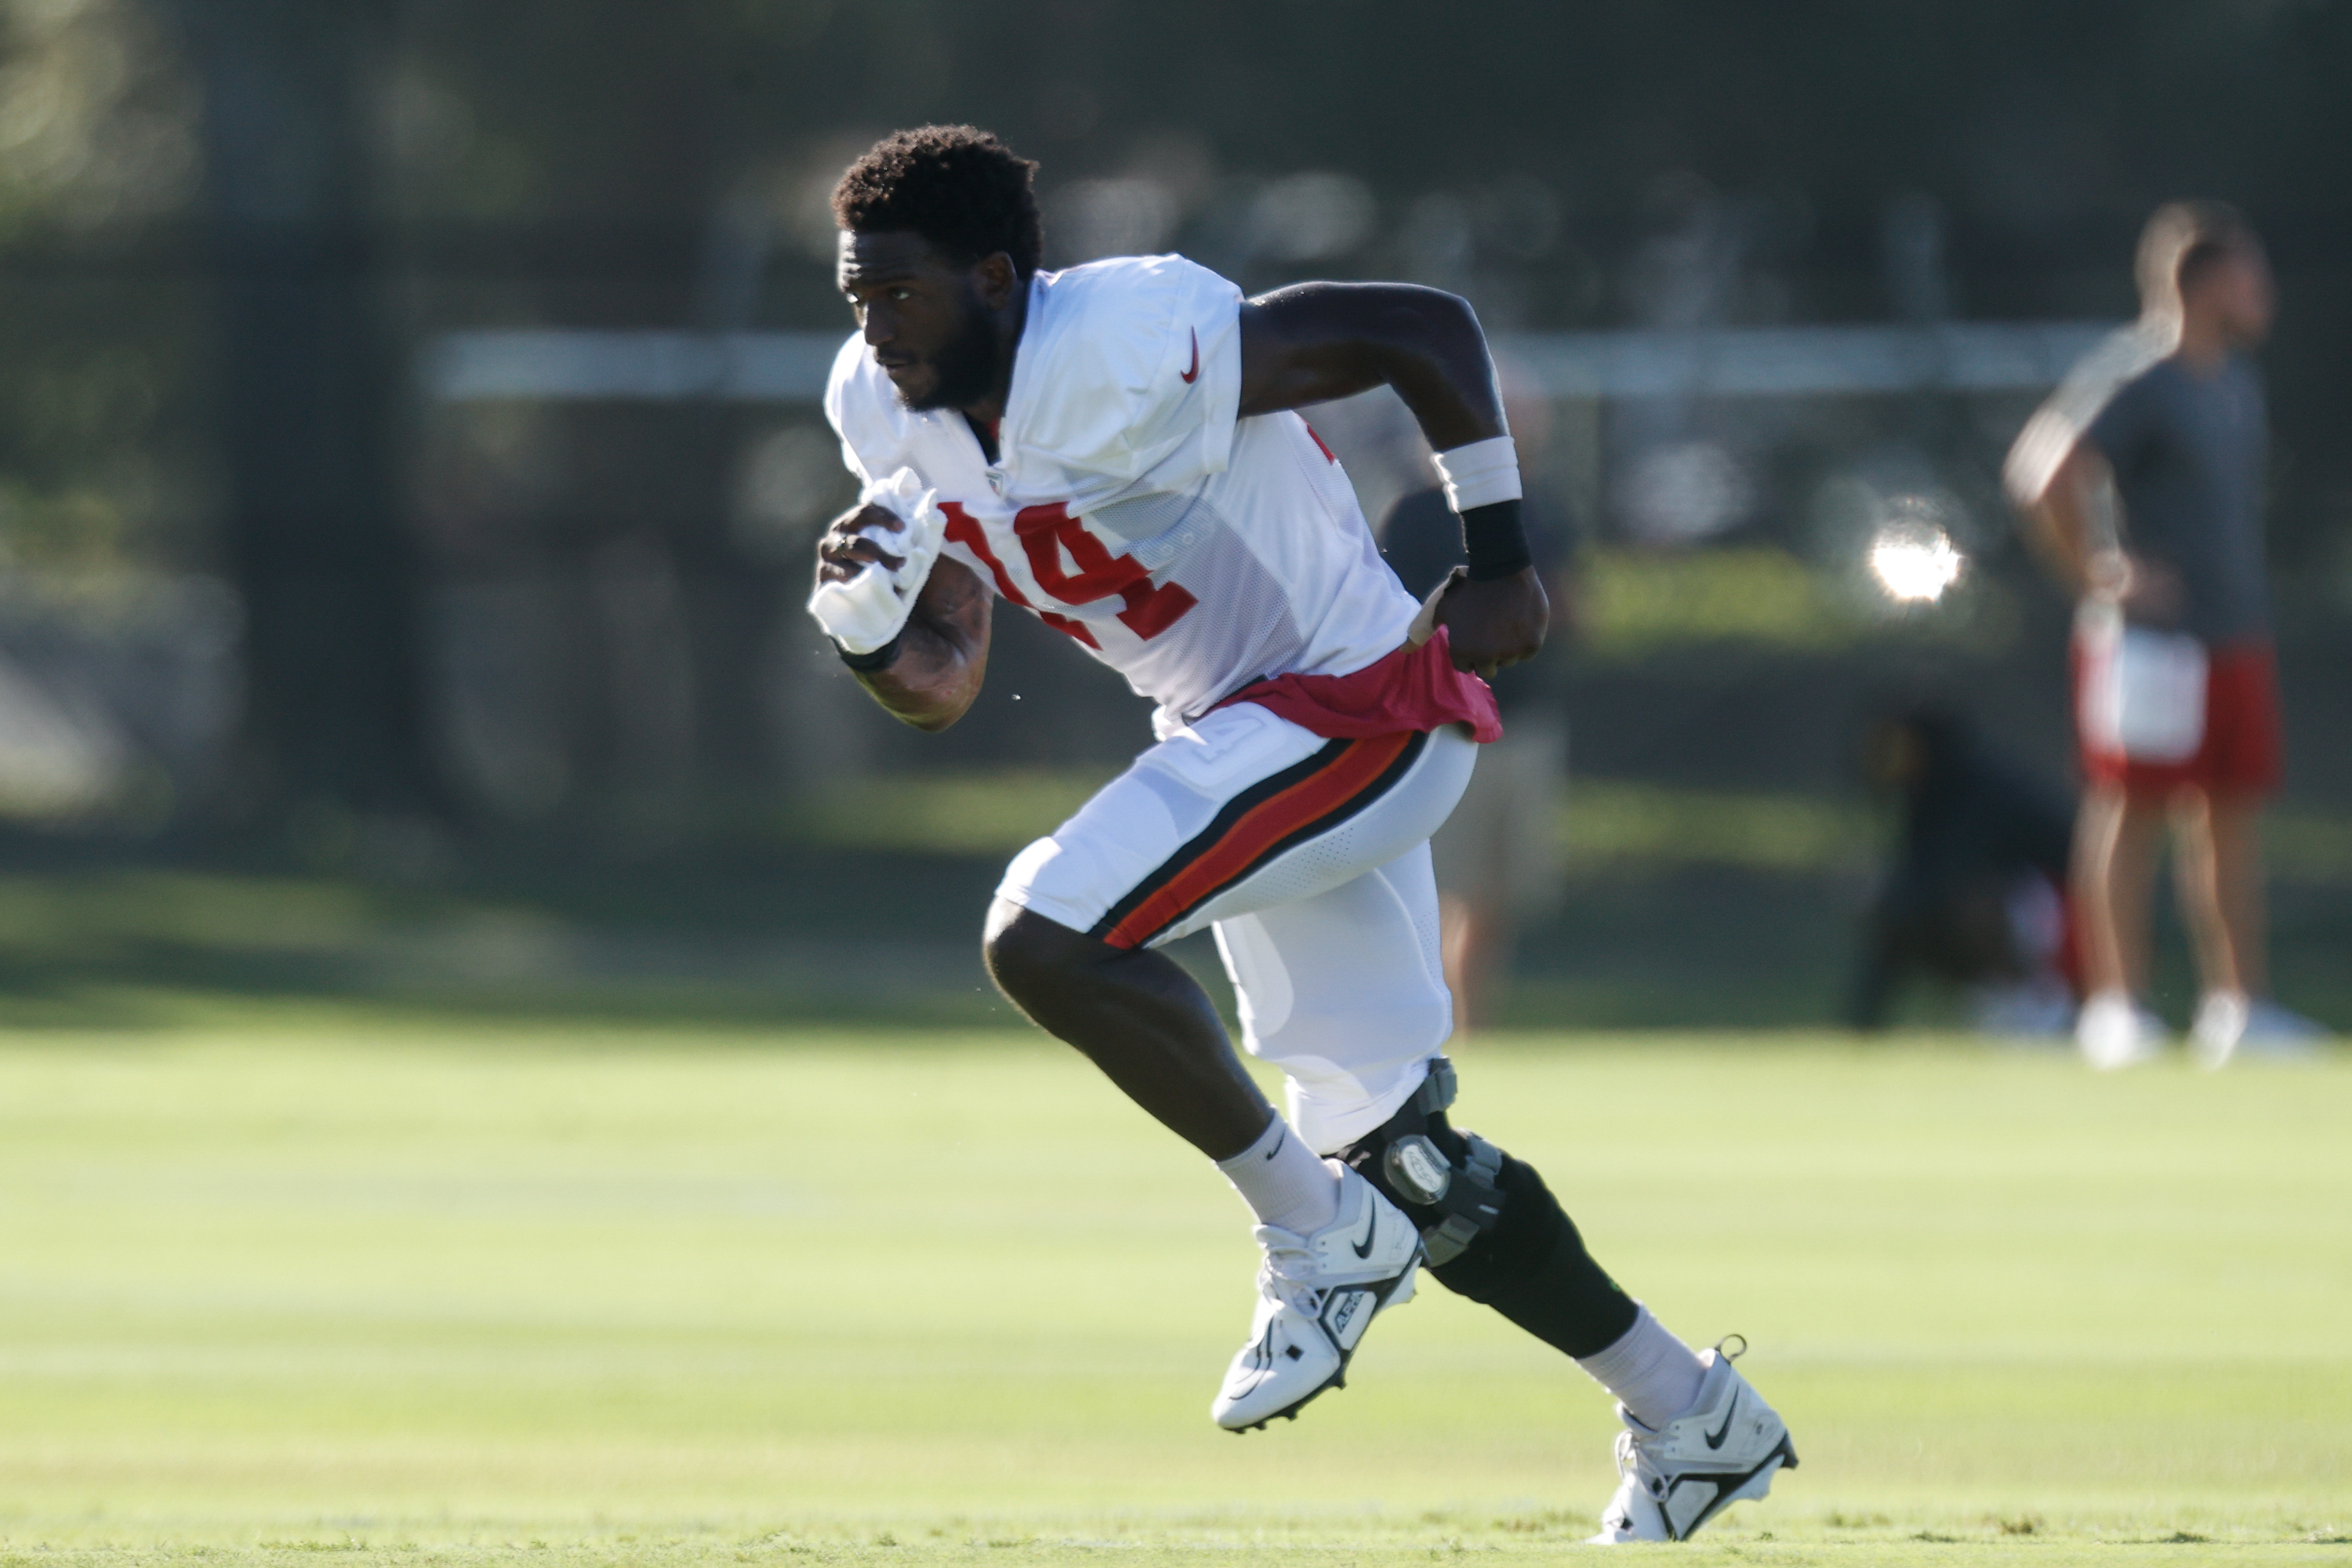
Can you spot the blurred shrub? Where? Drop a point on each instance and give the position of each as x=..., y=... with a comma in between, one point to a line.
x=1607, y=824
x=948, y=814
x=1638, y=602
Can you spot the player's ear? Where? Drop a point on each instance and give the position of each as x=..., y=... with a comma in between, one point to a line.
x=996, y=281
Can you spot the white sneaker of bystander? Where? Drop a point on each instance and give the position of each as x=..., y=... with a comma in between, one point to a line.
x=2113, y=1031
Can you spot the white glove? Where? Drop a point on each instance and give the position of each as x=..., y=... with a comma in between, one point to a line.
x=866, y=610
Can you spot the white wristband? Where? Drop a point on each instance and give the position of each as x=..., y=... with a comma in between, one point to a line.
x=1480, y=474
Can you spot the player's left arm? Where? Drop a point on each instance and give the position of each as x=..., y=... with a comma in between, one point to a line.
x=1314, y=343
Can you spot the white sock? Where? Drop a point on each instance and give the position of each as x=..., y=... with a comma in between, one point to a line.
x=1284, y=1182
x=1654, y=1374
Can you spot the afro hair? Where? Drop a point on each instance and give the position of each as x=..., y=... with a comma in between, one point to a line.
x=956, y=186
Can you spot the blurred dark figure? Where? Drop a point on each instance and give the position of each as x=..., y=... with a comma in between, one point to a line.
x=1976, y=896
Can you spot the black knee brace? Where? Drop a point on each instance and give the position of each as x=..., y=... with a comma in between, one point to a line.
x=1491, y=1228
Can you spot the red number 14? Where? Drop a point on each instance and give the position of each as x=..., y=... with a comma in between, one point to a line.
x=1045, y=532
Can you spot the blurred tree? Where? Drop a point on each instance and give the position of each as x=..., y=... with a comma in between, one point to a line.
x=97, y=155
x=317, y=539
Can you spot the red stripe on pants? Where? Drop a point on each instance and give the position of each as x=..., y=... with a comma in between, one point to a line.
x=1259, y=829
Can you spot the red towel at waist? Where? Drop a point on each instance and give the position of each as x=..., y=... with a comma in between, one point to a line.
x=1412, y=688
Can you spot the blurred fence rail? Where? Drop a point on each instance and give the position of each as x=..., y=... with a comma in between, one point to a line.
x=561, y=364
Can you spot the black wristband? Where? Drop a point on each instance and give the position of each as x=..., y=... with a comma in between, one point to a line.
x=882, y=658
x=1495, y=542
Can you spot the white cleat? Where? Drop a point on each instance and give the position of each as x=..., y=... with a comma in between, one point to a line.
x=2113, y=1031
x=1316, y=1295
x=2230, y=1023
x=1673, y=1480
x=2219, y=1024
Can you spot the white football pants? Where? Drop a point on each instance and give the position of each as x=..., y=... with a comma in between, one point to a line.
x=1309, y=858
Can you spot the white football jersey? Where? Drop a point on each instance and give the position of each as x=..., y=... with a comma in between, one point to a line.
x=1191, y=550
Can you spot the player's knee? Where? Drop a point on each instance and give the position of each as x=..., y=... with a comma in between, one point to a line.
x=1029, y=956
x=1487, y=1220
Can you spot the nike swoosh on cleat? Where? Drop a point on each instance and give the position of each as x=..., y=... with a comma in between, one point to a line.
x=1715, y=1438
x=1727, y=1490
x=1261, y=1360
x=1372, y=1223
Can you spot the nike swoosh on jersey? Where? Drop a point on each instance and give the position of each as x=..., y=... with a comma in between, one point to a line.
x=1193, y=374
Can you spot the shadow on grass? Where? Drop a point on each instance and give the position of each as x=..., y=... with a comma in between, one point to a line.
x=888, y=940
x=799, y=937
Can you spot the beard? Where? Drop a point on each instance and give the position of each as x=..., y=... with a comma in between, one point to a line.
x=966, y=368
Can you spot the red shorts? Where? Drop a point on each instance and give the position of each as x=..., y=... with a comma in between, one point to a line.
x=2240, y=752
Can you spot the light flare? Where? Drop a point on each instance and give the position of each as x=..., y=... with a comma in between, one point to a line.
x=1915, y=564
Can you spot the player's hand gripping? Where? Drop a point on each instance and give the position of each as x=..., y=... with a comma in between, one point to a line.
x=843, y=550
x=943, y=651
x=1492, y=624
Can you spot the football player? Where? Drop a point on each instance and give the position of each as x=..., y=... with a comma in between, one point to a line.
x=1115, y=449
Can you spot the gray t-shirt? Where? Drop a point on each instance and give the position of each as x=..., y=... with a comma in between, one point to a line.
x=2188, y=452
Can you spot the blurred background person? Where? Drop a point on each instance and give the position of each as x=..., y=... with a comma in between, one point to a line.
x=2143, y=480
x=1976, y=896
x=1499, y=857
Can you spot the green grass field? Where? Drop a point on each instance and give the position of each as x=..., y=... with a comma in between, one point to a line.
x=315, y=1287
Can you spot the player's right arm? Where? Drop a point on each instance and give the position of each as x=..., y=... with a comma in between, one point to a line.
x=2061, y=518
x=932, y=675
x=2068, y=517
